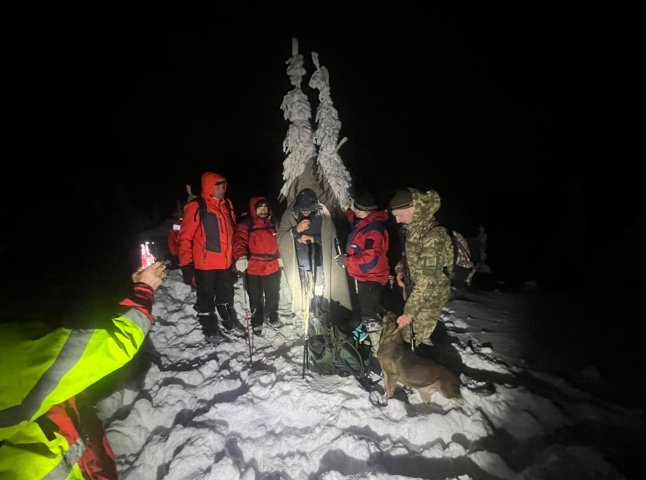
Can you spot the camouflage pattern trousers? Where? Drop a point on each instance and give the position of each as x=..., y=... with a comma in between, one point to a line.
x=425, y=321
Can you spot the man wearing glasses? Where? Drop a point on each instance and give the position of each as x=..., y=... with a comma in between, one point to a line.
x=206, y=251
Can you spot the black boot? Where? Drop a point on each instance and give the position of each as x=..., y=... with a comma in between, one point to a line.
x=256, y=322
x=273, y=320
x=209, y=323
x=229, y=318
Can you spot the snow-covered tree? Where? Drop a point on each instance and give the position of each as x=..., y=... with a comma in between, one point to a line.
x=298, y=167
x=333, y=175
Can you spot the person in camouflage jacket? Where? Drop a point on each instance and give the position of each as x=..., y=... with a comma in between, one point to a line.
x=426, y=264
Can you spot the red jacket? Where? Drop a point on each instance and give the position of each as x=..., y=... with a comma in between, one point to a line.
x=256, y=238
x=173, y=237
x=206, y=237
x=367, y=247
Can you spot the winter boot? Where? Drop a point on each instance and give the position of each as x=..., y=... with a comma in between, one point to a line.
x=229, y=318
x=256, y=322
x=209, y=323
x=273, y=320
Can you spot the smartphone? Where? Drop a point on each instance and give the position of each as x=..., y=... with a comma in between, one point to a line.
x=147, y=258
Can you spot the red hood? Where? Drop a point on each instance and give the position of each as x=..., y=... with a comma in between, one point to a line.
x=252, y=206
x=209, y=179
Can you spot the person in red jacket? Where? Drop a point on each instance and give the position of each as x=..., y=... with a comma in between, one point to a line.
x=366, y=259
x=48, y=423
x=255, y=246
x=206, y=251
x=174, y=229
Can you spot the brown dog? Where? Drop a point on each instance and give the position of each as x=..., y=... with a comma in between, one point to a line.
x=400, y=364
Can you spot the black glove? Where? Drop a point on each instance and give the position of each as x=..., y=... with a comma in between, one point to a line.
x=188, y=272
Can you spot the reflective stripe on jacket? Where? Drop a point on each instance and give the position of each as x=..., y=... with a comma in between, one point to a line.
x=44, y=368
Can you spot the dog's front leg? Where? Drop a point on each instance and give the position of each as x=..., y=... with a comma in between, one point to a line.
x=390, y=383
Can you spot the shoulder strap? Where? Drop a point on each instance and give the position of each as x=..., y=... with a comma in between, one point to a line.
x=201, y=209
x=454, y=242
x=229, y=207
x=435, y=224
x=252, y=227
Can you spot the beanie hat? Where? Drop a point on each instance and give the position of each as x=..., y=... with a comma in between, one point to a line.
x=306, y=200
x=365, y=201
x=401, y=199
x=261, y=202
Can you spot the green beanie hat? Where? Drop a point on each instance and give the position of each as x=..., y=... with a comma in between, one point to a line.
x=401, y=199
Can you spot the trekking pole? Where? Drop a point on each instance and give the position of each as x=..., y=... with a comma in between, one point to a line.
x=306, y=342
x=311, y=246
x=249, y=335
x=247, y=317
x=306, y=325
x=308, y=290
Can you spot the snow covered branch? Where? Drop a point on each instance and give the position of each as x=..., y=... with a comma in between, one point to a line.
x=298, y=144
x=331, y=171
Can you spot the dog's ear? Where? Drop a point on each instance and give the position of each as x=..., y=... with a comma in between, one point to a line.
x=391, y=330
x=390, y=316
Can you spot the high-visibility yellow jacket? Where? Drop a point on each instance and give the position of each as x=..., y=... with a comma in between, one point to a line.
x=42, y=368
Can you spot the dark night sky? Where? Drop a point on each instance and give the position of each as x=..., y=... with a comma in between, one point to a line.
x=528, y=119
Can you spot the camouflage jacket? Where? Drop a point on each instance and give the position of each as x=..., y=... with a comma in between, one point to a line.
x=427, y=253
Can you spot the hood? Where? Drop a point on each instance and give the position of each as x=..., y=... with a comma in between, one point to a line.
x=426, y=204
x=209, y=179
x=306, y=200
x=252, y=206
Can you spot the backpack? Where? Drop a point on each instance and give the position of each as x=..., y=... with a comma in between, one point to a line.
x=331, y=352
x=202, y=210
x=463, y=265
